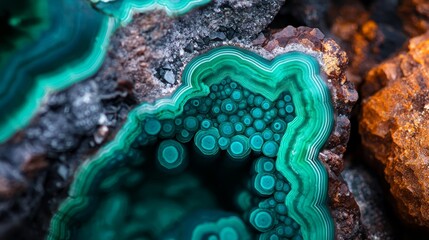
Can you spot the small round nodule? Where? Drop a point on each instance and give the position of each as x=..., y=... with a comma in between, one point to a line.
x=270, y=149
x=265, y=184
x=239, y=147
x=207, y=141
x=262, y=219
x=171, y=154
x=152, y=126
x=256, y=142
x=228, y=233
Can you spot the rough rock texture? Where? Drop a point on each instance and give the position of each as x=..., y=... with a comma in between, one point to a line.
x=372, y=203
x=395, y=127
x=310, y=13
x=144, y=63
x=333, y=60
x=415, y=16
x=37, y=164
x=162, y=59
x=368, y=35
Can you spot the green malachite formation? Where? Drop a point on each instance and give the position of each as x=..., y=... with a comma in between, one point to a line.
x=210, y=225
x=52, y=44
x=234, y=109
x=124, y=9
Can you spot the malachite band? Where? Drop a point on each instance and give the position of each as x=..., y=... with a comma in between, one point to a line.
x=70, y=47
x=297, y=158
x=124, y=9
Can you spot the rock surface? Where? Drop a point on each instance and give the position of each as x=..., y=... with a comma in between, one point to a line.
x=37, y=164
x=372, y=204
x=144, y=63
x=368, y=35
x=415, y=16
x=394, y=126
x=333, y=60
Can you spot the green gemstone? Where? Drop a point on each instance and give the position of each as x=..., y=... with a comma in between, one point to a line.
x=266, y=105
x=229, y=233
x=226, y=129
x=256, y=142
x=207, y=141
x=311, y=122
x=184, y=136
x=49, y=45
x=239, y=127
x=206, y=124
x=224, y=143
x=168, y=129
x=270, y=149
x=190, y=123
x=259, y=125
x=171, y=154
x=267, y=134
x=257, y=113
x=262, y=220
x=229, y=107
x=289, y=108
x=265, y=184
x=249, y=131
x=247, y=120
x=266, y=165
x=278, y=126
x=258, y=100
x=237, y=95
x=152, y=126
x=239, y=147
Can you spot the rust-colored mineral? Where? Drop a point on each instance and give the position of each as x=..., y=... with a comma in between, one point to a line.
x=366, y=40
x=415, y=16
x=394, y=126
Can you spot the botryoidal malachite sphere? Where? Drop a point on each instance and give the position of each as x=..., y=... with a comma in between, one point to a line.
x=232, y=154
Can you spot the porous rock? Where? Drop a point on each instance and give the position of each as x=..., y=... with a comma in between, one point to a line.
x=394, y=125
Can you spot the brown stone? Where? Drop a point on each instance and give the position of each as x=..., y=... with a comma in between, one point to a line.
x=361, y=36
x=333, y=60
x=415, y=16
x=395, y=127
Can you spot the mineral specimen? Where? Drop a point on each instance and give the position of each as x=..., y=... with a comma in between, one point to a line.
x=52, y=146
x=415, y=15
x=394, y=127
x=145, y=61
x=58, y=50
x=333, y=62
x=219, y=106
x=368, y=35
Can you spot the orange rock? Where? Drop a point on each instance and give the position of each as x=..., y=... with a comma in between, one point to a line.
x=395, y=127
x=361, y=37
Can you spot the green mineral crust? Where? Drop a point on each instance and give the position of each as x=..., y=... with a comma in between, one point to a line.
x=234, y=109
x=49, y=45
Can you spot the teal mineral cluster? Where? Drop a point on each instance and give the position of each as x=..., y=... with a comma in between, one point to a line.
x=236, y=119
x=270, y=217
x=231, y=118
x=49, y=45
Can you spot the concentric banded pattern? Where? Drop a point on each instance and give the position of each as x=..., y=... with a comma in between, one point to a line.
x=296, y=160
x=124, y=9
x=67, y=46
